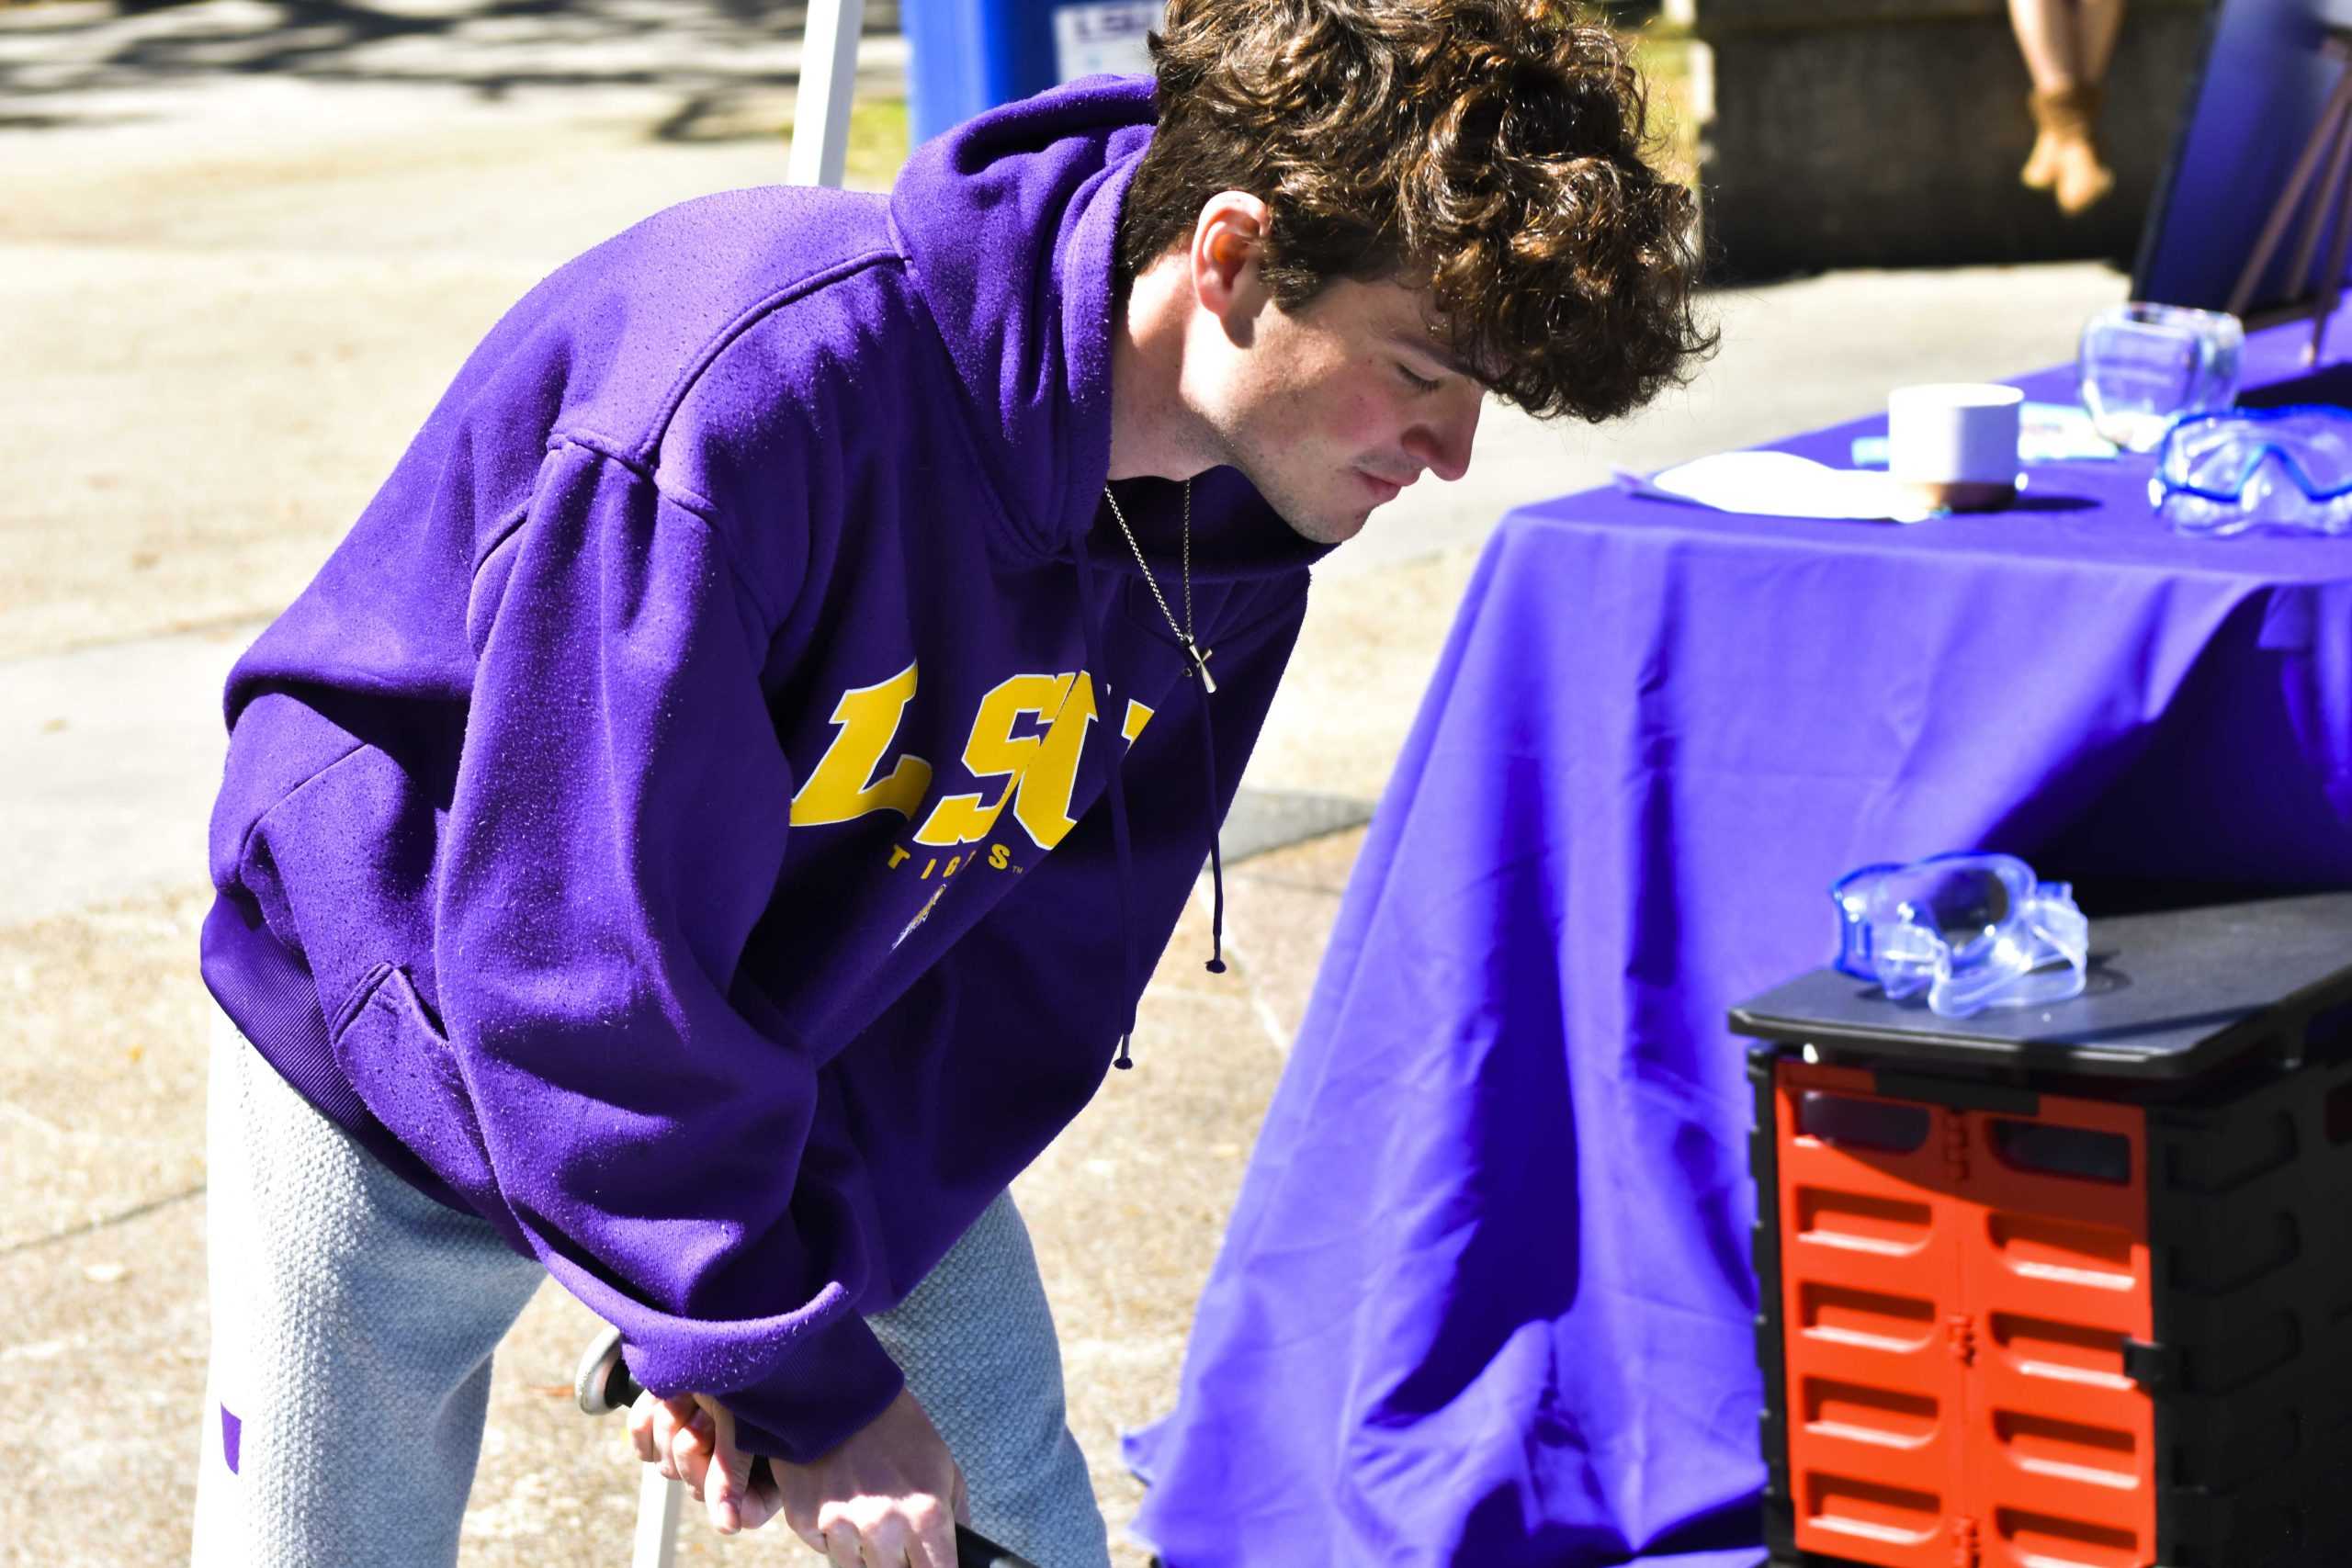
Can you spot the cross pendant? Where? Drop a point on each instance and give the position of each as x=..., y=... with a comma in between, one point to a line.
x=1201, y=663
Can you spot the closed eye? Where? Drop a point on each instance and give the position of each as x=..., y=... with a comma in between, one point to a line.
x=1419, y=383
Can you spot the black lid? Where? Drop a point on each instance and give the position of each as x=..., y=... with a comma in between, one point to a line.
x=2171, y=995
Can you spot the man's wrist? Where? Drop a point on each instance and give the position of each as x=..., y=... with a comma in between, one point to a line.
x=833, y=1385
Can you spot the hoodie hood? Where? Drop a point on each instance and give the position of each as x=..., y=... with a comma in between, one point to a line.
x=1010, y=227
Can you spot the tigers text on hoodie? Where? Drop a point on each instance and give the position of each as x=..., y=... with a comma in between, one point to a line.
x=675, y=824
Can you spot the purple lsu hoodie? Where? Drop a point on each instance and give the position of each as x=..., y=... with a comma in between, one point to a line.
x=673, y=824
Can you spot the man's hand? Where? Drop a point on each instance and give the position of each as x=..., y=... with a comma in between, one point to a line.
x=683, y=1435
x=890, y=1496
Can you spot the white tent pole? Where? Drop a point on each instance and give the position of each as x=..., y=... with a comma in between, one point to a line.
x=828, y=81
x=819, y=148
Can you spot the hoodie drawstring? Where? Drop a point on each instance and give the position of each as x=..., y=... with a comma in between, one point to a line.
x=1200, y=669
x=1216, y=858
x=1111, y=786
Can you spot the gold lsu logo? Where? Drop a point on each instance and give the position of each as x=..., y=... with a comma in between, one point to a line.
x=1039, y=768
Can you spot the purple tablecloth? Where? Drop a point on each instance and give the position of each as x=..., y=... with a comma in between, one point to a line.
x=1487, y=1298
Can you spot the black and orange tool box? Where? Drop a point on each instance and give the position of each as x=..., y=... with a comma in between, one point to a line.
x=2065, y=1287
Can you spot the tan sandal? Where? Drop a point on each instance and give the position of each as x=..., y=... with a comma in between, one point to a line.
x=2040, y=170
x=2065, y=158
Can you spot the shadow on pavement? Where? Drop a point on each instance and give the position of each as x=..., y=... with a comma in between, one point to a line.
x=712, y=52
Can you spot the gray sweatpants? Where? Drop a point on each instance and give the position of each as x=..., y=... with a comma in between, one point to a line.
x=353, y=1321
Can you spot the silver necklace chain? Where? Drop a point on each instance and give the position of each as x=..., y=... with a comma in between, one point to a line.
x=1184, y=633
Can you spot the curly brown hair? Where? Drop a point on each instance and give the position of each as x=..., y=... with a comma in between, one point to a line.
x=1492, y=152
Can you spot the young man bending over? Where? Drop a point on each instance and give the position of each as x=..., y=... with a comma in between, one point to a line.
x=704, y=831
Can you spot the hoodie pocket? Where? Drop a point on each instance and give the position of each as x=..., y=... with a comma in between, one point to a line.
x=397, y=1059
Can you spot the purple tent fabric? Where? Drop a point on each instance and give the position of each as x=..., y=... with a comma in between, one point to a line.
x=1487, y=1296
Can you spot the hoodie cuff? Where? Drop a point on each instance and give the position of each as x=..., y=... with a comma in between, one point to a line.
x=833, y=1385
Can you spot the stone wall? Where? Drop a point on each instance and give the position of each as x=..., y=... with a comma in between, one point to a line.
x=1841, y=133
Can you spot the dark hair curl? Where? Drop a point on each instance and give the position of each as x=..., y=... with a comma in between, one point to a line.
x=1492, y=152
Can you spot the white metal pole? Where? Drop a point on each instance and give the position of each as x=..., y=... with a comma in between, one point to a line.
x=828, y=81
x=659, y=1503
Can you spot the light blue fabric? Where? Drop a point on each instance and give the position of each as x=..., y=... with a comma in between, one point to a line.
x=977, y=1342
x=353, y=1321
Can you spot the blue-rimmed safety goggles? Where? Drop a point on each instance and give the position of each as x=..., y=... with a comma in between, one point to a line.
x=2239, y=470
x=1972, y=930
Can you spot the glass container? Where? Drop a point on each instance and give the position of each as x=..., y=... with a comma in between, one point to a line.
x=2144, y=366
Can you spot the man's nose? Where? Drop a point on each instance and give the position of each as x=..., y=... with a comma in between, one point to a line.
x=1441, y=444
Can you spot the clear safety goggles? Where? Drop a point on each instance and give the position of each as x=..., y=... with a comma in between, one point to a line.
x=1972, y=930
x=2239, y=469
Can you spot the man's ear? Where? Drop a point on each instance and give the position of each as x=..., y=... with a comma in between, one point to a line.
x=1226, y=244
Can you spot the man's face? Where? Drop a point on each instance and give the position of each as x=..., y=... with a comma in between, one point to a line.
x=1333, y=409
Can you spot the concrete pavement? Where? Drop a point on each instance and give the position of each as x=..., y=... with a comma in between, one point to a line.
x=243, y=247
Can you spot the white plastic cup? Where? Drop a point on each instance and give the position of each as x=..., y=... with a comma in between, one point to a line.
x=1953, y=444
